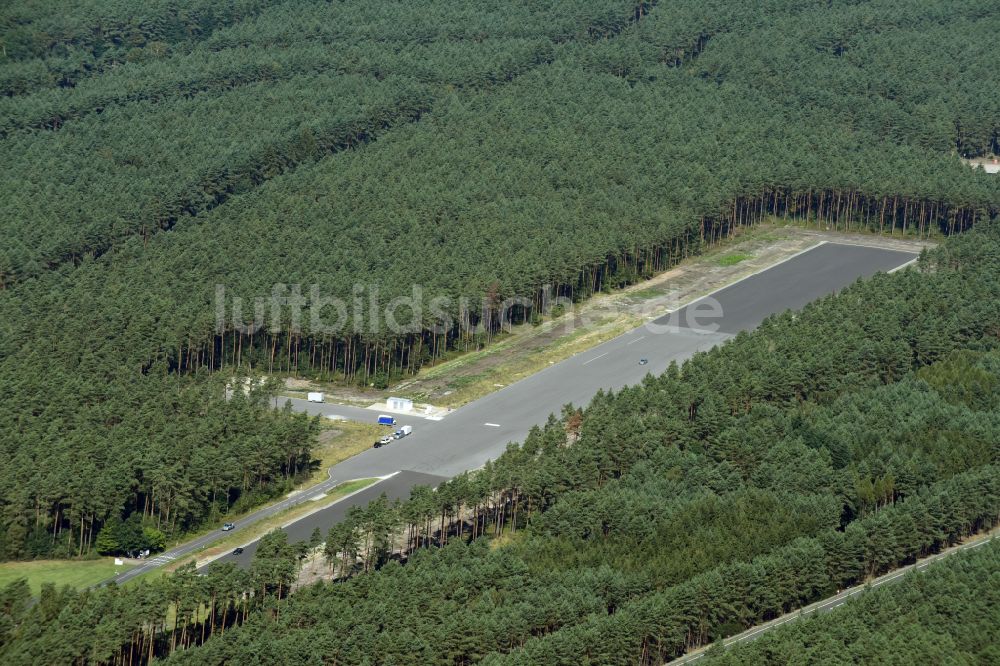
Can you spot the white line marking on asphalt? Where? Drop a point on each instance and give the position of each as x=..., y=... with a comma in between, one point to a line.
x=872, y=246
x=747, y=277
x=635, y=341
x=902, y=266
x=596, y=357
x=492, y=425
x=161, y=559
x=677, y=330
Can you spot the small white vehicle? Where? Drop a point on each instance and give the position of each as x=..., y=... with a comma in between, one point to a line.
x=387, y=439
x=315, y=396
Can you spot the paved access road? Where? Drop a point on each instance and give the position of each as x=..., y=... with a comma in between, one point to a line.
x=205, y=540
x=397, y=486
x=348, y=412
x=481, y=430
x=831, y=603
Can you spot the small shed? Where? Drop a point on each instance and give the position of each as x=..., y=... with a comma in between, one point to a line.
x=399, y=404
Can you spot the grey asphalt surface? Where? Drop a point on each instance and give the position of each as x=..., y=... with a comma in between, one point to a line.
x=205, y=540
x=794, y=284
x=830, y=603
x=481, y=430
x=349, y=412
x=395, y=487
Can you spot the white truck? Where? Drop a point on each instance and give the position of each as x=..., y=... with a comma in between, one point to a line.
x=315, y=396
x=403, y=432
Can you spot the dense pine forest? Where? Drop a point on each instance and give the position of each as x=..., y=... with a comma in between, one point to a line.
x=153, y=151
x=811, y=454
x=947, y=615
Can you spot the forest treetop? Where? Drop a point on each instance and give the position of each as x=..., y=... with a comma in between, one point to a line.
x=151, y=151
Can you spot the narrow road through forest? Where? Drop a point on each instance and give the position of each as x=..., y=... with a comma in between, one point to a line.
x=834, y=602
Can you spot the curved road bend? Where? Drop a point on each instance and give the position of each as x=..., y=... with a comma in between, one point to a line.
x=481, y=430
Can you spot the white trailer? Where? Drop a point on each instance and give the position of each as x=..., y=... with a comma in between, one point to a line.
x=315, y=396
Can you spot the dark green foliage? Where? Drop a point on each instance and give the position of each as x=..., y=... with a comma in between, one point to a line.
x=171, y=452
x=154, y=150
x=658, y=519
x=129, y=537
x=947, y=614
x=15, y=600
x=95, y=26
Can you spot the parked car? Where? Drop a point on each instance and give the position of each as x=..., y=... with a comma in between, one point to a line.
x=643, y=361
x=228, y=526
x=237, y=551
x=383, y=441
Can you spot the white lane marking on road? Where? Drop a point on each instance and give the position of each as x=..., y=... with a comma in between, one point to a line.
x=327, y=506
x=872, y=246
x=677, y=330
x=596, y=357
x=635, y=341
x=492, y=425
x=764, y=628
x=747, y=277
x=161, y=559
x=902, y=266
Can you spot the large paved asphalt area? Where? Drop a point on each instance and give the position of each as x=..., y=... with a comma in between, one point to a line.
x=479, y=431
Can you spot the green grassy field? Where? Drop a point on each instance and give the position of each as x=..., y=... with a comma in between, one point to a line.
x=732, y=259
x=76, y=573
